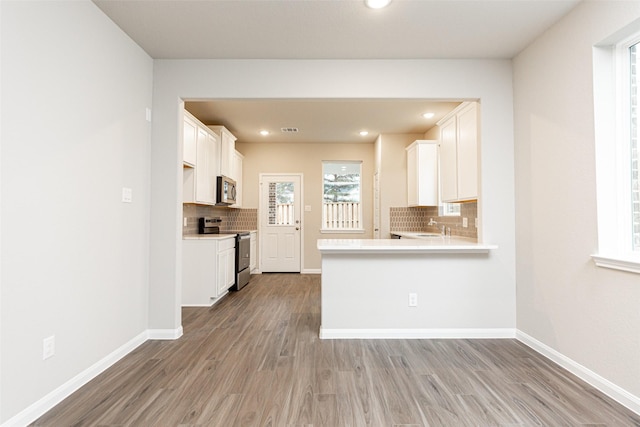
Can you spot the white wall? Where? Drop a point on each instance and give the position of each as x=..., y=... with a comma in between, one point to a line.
x=588, y=314
x=487, y=80
x=74, y=257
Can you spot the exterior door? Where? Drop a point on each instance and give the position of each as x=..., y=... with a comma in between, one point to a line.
x=280, y=222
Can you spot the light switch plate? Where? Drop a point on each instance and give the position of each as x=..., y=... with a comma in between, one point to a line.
x=465, y=222
x=127, y=195
x=307, y=208
x=48, y=347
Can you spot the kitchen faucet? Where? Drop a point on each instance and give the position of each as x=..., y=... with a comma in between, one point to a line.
x=432, y=222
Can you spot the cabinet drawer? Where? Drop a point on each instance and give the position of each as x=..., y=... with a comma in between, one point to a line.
x=226, y=244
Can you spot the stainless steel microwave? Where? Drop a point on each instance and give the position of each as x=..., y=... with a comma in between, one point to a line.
x=226, y=191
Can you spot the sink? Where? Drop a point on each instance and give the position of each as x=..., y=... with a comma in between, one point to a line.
x=429, y=235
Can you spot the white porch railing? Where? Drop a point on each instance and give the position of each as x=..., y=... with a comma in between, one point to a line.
x=284, y=214
x=341, y=216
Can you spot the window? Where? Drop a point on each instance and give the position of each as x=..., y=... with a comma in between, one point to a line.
x=449, y=209
x=617, y=132
x=341, y=203
x=281, y=206
x=633, y=144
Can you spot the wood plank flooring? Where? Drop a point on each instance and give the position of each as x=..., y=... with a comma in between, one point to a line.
x=255, y=359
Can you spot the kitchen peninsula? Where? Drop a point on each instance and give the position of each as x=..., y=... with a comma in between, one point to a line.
x=432, y=287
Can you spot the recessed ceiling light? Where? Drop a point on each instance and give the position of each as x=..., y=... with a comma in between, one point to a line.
x=428, y=115
x=364, y=133
x=264, y=132
x=377, y=4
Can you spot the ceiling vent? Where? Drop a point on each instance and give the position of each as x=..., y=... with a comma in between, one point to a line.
x=289, y=130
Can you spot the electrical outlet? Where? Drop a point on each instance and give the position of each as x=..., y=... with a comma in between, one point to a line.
x=476, y=221
x=465, y=222
x=413, y=300
x=185, y=221
x=48, y=347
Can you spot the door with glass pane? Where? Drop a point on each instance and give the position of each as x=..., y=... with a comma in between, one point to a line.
x=280, y=222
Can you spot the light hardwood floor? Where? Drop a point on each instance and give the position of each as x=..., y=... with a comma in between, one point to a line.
x=255, y=360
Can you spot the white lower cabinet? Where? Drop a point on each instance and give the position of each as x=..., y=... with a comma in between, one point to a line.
x=208, y=270
x=226, y=263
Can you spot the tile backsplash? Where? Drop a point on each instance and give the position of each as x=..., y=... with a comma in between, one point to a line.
x=232, y=218
x=417, y=218
x=401, y=219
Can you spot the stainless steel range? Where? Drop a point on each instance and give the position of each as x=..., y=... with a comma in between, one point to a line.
x=243, y=259
x=208, y=225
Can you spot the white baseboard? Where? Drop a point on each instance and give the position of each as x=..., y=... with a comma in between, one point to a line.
x=164, y=334
x=311, y=271
x=415, y=333
x=39, y=408
x=607, y=387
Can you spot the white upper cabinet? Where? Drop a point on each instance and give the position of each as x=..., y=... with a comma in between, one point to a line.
x=422, y=173
x=206, y=167
x=237, y=176
x=199, y=172
x=227, y=150
x=459, y=137
x=189, y=142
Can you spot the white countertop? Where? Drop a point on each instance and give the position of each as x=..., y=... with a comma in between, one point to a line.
x=426, y=245
x=416, y=234
x=208, y=236
x=221, y=236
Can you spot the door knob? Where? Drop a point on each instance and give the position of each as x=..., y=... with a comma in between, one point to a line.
x=297, y=228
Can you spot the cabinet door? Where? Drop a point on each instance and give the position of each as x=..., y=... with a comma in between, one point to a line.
x=468, y=153
x=227, y=150
x=223, y=272
x=448, y=161
x=205, y=180
x=412, y=175
x=189, y=142
x=198, y=278
x=237, y=175
x=422, y=173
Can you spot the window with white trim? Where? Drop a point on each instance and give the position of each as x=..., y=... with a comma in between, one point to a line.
x=341, y=196
x=634, y=56
x=617, y=104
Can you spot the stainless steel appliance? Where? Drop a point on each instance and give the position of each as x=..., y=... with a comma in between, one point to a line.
x=211, y=225
x=243, y=260
x=225, y=191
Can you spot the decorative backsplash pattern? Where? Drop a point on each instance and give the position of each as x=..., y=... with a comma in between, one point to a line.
x=232, y=219
x=417, y=218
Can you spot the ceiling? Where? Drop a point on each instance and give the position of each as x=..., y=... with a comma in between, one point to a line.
x=330, y=29
x=333, y=29
x=322, y=121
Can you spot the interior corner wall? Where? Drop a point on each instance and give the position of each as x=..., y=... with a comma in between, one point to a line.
x=586, y=313
x=74, y=261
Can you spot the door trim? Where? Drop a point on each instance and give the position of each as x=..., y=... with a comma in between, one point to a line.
x=261, y=177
